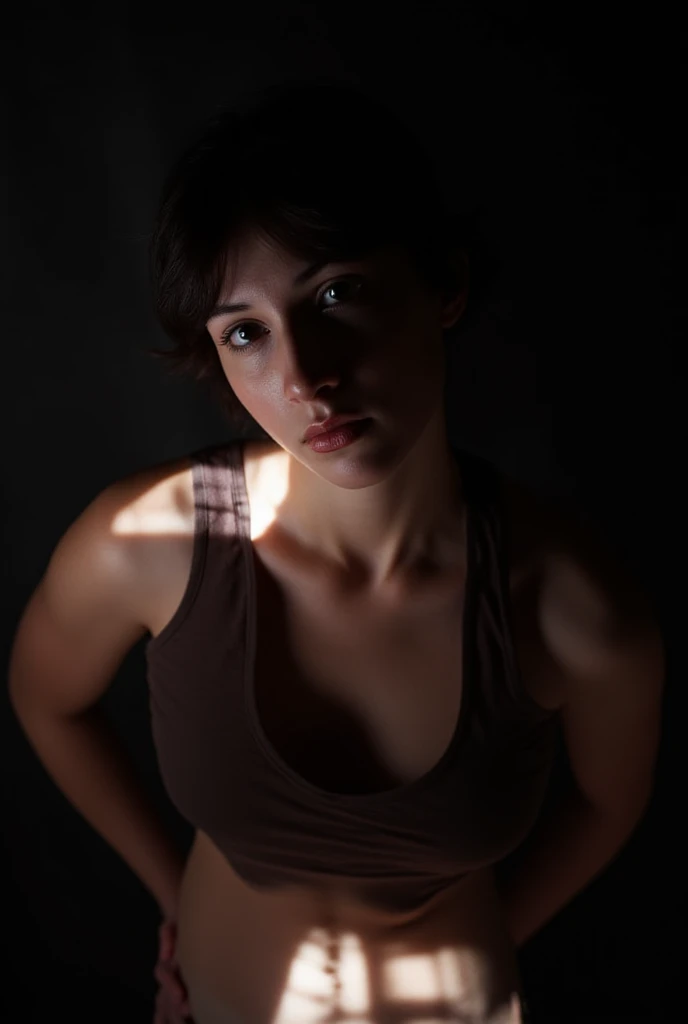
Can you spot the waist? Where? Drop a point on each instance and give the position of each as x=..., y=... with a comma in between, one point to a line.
x=219, y=912
x=286, y=955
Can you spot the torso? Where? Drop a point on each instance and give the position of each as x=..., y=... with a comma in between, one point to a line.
x=351, y=717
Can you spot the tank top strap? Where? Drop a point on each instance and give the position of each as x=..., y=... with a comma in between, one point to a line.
x=220, y=506
x=502, y=684
x=482, y=486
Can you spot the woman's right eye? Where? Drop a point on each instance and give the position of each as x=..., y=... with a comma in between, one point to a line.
x=225, y=338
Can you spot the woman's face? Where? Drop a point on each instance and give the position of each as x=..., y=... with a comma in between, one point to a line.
x=362, y=339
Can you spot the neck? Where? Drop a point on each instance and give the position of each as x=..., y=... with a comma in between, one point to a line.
x=408, y=525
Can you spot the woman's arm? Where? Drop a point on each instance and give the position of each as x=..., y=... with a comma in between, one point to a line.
x=603, y=641
x=74, y=633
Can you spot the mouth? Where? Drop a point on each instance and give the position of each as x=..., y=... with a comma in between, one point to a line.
x=341, y=436
x=327, y=425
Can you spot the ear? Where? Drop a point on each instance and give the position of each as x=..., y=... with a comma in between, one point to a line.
x=457, y=296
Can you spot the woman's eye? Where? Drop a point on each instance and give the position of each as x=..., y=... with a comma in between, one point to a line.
x=348, y=286
x=239, y=329
x=343, y=291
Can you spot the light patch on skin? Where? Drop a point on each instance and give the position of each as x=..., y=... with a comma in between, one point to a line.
x=154, y=511
x=268, y=475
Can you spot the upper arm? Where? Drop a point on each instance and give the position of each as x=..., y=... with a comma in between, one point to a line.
x=602, y=638
x=600, y=629
x=80, y=621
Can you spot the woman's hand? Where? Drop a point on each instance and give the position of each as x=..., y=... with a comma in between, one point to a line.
x=172, y=1002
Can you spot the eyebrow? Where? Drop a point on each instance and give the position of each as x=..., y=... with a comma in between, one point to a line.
x=305, y=275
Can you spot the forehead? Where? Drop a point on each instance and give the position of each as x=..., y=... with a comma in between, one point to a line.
x=255, y=261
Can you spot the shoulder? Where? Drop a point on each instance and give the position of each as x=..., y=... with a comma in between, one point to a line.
x=592, y=614
x=120, y=518
x=146, y=518
x=596, y=632
x=93, y=601
x=152, y=513
x=152, y=500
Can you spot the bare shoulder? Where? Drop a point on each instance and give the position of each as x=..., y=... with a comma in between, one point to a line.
x=121, y=525
x=550, y=532
x=155, y=521
x=153, y=498
x=151, y=513
x=90, y=605
x=600, y=652
x=588, y=605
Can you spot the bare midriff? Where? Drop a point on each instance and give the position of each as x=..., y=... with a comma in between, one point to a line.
x=295, y=957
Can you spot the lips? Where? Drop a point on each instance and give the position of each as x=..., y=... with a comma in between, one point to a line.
x=331, y=424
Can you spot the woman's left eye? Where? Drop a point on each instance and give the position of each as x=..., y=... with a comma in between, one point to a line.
x=354, y=284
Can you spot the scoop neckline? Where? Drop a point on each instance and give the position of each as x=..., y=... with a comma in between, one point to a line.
x=467, y=636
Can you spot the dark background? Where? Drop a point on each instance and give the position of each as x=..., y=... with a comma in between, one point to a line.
x=567, y=136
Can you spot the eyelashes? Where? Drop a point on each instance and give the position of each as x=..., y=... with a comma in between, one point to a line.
x=354, y=286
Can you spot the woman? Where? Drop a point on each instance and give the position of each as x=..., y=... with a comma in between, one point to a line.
x=362, y=641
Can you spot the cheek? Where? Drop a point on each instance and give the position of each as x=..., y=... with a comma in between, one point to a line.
x=262, y=396
x=407, y=377
x=236, y=380
x=413, y=348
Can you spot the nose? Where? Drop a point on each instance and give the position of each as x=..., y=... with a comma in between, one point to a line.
x=303, y=383
x=311, y=362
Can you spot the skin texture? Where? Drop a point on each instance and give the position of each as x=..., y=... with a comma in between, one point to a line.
x=371, y=345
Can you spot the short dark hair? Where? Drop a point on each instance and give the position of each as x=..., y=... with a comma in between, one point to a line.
x=320, y=166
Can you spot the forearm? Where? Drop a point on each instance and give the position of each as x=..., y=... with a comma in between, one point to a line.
x=88, y=763
x=570, y=847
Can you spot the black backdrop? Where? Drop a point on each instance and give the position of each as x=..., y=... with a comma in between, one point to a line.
x=566, y=136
